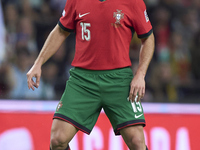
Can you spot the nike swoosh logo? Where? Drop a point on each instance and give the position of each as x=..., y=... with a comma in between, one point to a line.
x=137, y=116
x=83, y=14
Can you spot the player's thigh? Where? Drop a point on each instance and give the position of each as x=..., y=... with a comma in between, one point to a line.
x=133, y=135
x=120, y=111
x=62, y=131
x=80, y=104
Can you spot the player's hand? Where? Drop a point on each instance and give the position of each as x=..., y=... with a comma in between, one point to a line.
x=33, y=72
x=137, y=89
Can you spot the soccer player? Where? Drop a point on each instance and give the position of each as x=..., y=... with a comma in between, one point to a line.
x=101, y=77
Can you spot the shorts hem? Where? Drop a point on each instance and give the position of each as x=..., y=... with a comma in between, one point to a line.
x=129, y=123
x=72, y=122
x=68, y=148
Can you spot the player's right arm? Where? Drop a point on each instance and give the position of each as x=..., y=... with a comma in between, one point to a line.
x=51, y=45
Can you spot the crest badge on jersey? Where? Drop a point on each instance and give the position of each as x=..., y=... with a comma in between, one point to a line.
x=118, y=16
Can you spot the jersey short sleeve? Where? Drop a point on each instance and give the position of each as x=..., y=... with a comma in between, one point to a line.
x=141, y=22
x=66, y=22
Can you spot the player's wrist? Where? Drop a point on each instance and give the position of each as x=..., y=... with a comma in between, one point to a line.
x=140, y=73
x=38, y=63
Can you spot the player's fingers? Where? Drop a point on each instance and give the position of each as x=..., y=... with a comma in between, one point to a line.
x=131, y=94
x=29, y=82
x=37, y=81
x=130, y=97
x=139, y=95
x=30, y=85
x=33, y=84
x=135, y=95
x=143, y=92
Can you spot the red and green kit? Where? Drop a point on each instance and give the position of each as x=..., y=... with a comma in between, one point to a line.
x=102, y=75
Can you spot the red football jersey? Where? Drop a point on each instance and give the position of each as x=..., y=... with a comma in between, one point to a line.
x=104, y=30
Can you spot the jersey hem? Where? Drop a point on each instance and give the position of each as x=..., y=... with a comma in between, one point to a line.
x=72, y=122
x=64, y=28
x=145, y=35
x=129, y=123
x=100, y=68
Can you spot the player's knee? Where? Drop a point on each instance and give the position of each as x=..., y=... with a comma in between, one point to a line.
x=137, y=143
x=58, y=142
x=54, y=142
x=134, y=137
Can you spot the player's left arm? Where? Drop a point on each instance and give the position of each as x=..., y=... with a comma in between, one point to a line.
x=138, y=83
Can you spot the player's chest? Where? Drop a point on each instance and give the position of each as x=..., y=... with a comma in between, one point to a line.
x=108, y=12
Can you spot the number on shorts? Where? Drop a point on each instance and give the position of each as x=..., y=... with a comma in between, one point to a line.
x=136, y=107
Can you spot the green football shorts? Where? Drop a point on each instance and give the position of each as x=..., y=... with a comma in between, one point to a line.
x=88, y=91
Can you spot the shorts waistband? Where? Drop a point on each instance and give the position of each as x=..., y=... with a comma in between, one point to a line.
x=100, y=71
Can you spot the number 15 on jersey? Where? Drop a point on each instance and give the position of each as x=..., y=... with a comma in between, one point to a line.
x=85, y=31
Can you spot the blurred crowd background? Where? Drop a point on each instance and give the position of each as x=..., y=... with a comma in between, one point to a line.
x=173, y=75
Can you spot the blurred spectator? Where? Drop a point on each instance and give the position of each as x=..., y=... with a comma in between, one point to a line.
x=178, y=56
x=162, y=83
x=50, y=72
x=58, y=4
x=195, y=54
x=2, y=36
x=162, y=27
x=174, y=69
x=18, y=71
x=36, y=4
x=59, y=60
x=26, y=36
x=47, y=19
x=187, y=25
x=6, y=80
x=11, y=23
